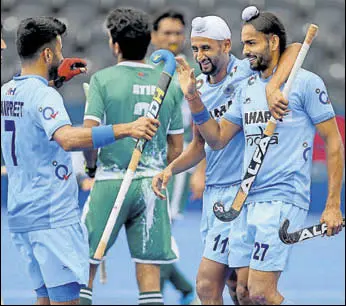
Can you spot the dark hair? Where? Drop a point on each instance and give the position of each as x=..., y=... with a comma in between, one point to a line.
x=168, y=14
x=34, y=33
x=268, y=23
x=131, y=29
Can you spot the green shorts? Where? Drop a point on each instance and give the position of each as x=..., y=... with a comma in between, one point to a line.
x=146, y=219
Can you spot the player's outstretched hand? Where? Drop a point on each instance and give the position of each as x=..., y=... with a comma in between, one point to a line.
x=160, y=182
x=69, y=68
x=186, y=78
x=144, y=127
x=277, y=103
x=333, y=219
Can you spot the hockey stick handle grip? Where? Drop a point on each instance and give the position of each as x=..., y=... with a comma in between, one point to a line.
x=310, y=35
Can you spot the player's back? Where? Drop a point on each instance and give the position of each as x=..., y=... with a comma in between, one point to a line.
x=42, y=191
x=123, y=93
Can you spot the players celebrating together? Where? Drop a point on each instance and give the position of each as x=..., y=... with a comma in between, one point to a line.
x=226, y=102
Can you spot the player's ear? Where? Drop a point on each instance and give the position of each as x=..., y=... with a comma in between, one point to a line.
x=275, y=42
x=116, y=49
x=47, y=55
x=227, y=45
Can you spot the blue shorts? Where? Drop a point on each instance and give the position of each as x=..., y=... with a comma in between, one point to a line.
x=55, y=257
x=255, y=241
x=215, y=233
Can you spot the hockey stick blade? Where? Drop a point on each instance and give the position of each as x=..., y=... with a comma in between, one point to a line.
x=222, y=215
x=303, y=234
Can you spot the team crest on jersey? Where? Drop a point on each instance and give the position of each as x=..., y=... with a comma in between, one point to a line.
x=233, y=71
x=141, y=74
x=61, y=171
x=229, y=90
x=322, y=95
x=252, y=80
x=11, y=91
x=48, y=113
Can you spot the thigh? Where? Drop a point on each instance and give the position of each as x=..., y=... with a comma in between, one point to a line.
x=215, y=233
x=97, y=211
x=32, y=267
x=213, y=272
x=269, y=252
x=62, y=254
x=149, y=227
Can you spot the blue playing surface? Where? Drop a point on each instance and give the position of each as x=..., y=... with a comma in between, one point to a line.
x=316, y=273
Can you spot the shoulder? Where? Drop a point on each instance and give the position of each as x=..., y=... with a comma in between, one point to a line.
x=6, y=87
x=100, y=74
x=304, y=75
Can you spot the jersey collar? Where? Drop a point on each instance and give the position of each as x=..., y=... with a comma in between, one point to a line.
x=134, y=64
x=30, y=76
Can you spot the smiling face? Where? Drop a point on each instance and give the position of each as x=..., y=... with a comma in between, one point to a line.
x=210, y=54
x=256, y=47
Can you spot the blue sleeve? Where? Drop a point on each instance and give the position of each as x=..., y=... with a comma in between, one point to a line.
x=234, y=112
x=316, y=101
x=50, y=111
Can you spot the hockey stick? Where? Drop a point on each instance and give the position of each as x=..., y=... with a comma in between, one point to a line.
x=153, y=112
x=262, y=146
x=303, y=234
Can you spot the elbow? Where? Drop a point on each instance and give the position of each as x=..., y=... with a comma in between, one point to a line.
x=67, y=145
x=215, y=146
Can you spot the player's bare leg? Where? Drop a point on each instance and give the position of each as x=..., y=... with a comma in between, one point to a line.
x=42, y=301
x=86, y=293
x=232, y=286
x=148, y=280
x=211, y=280
x=263, y=288
x=242, y=286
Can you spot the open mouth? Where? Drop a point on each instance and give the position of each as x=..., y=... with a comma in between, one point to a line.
x=205, y=64
x=252, y=59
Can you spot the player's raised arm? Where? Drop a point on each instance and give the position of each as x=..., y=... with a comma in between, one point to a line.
x=215, y=134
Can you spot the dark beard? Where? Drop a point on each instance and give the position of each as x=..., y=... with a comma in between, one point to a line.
x=211, y=72
x=261, y=65
x=53, y=73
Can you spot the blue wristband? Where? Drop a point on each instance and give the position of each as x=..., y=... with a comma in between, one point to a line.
x=201, y=117
x=102, y=136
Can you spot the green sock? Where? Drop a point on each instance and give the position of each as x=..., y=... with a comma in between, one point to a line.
x=150, y=298
x=179, y=281
x=86, y=296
